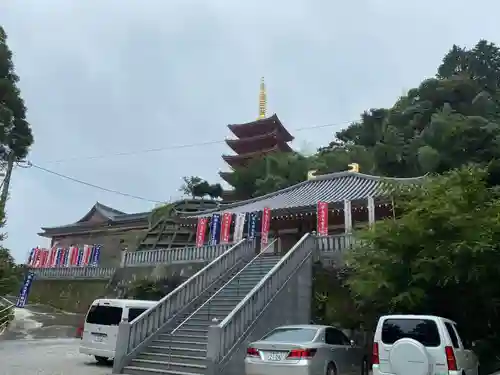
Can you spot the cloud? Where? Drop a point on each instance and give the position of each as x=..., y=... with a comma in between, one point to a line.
x=123, y=75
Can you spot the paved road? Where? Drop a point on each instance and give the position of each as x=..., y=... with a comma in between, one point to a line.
x=41, y=342
x=46, y=357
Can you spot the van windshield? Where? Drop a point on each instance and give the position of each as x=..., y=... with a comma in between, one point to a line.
x=424, y=331
x=104, y=315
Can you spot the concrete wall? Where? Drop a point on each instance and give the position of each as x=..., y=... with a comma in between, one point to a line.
x=77, y=295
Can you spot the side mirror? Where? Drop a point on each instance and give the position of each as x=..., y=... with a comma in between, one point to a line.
x=352, y=342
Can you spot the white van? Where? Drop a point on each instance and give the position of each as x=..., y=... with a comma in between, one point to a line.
x=421, y=345
x=100, y=330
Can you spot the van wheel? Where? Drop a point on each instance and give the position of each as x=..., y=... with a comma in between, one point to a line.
x=102, y=360
x=331, y=370
x=364, y=367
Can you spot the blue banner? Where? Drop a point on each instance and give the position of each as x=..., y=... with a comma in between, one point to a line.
x=59, y=257
x=79, y=260
x=96, y=253
x=252, y=225
x=215, y=225
x=25, y=290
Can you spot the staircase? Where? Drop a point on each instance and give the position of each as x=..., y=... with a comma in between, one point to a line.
x=183, y=351
x=236, y=308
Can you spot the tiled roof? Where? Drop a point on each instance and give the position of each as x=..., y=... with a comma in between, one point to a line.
x=331, y=188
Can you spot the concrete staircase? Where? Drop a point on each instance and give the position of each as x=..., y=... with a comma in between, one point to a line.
x=183, y=351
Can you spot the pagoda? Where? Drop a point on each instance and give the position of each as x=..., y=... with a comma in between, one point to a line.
x=255, y=139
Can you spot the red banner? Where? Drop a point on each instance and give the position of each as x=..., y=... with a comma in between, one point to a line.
x=266, y=223
x=322, y=214
x=200, y=231
x=225, y=227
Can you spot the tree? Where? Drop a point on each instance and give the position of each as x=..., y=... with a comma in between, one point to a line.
x=439, y=257
x=15, y=131
x=189, y=184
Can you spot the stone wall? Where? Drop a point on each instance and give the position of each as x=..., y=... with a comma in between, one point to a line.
x=72, y=296
x=113, y=242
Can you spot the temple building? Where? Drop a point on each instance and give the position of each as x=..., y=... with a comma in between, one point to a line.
x=255, y=139
x=116, y=230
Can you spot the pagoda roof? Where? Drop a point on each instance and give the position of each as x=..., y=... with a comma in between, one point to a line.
x=274, y=136
x=259, y=127
x=236, y=159
x=332, y=188
x=99, y=214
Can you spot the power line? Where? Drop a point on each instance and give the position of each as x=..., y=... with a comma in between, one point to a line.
x=176, y=147
x=30, y=164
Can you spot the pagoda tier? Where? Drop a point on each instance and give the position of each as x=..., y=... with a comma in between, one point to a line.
x=261, y=127
x=240, y=160
x=258, y=143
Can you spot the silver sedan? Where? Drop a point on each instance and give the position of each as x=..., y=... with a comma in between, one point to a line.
x=305, y=350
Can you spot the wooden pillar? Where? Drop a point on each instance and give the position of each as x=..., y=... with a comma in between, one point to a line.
x=347, y=216
x=371, y=211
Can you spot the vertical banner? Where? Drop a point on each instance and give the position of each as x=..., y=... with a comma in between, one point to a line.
x=58, y=257
x=79, y=258
x=201, y=229
x=225, y=230
x=322, y=214
x=86, y=254
x=31, y=256
x=38, y=255
x=239, y=225
x=96, y=255
x=45, y=258
x=266, y=224
x=25, y=290
x=73, y=255
x=64, y=257
x=215, y=224
x=52, y=257
x=252, y=225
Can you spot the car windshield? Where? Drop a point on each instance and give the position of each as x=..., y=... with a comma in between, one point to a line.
x=291, y=335
x=424, y=331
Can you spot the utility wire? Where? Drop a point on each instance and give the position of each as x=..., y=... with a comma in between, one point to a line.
x=92, y=185
x=176, y=147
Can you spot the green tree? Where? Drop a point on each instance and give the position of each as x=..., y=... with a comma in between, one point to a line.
x=188, y=185
x=15, y=131
x=439, y=257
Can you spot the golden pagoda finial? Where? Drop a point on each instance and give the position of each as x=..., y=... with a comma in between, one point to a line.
x=353, y=167
x=262, y=100
x=311, y=175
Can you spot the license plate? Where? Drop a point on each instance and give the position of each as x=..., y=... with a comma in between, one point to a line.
x=98, y=338
x=276, y=356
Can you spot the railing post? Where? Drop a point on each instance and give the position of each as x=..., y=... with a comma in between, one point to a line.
x=214, y=349
x=122, y=340
x=123, y=258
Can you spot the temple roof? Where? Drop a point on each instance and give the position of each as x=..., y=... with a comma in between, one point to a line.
x=331, y=188
x=259, y=127
x=234, y=160
x=257, y=142
x=98, y=214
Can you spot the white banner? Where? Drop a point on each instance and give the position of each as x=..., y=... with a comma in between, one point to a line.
x=239, y=225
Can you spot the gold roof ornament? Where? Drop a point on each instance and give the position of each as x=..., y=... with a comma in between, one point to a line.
x=311, y=175
x=353, y=167
x=262, y=100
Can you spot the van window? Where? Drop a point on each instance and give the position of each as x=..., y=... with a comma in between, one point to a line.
x=134, y=313
x=104, y=315
x=452, y=334
x=423, y=330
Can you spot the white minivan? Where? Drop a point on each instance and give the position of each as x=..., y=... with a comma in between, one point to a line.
x=100, y=329
x=421, y=345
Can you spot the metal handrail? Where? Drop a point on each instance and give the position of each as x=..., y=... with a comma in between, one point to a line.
x=4, y=321
x=262, y=281
x=221, y=288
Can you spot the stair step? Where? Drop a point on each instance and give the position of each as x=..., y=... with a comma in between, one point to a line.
x=174, y=357
x=181, y=344
x=168, y=365
x=183, y=338
x=136, y=370
x=163, y=349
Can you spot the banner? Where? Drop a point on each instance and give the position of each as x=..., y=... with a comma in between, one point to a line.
x=86, y=255
x=201, y=229
x=38, y=257
x=215, y=224
x=96, y=254
x=73, y=256
x=252, y=225
x=65, y=257
x=225, y=230
x=239, y=225
x=25, y=290
x=266, y=224
x=322, y=214
x=31, y=256
x=52, y=257
x=79, y=258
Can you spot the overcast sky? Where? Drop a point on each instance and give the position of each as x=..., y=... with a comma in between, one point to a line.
x=104, y=77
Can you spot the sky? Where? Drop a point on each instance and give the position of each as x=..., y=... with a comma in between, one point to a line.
x=124, y=76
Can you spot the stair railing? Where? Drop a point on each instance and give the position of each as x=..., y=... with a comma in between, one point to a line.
x=6, y=313
x=266, y=249
x=222, y=338
x=132, y=336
